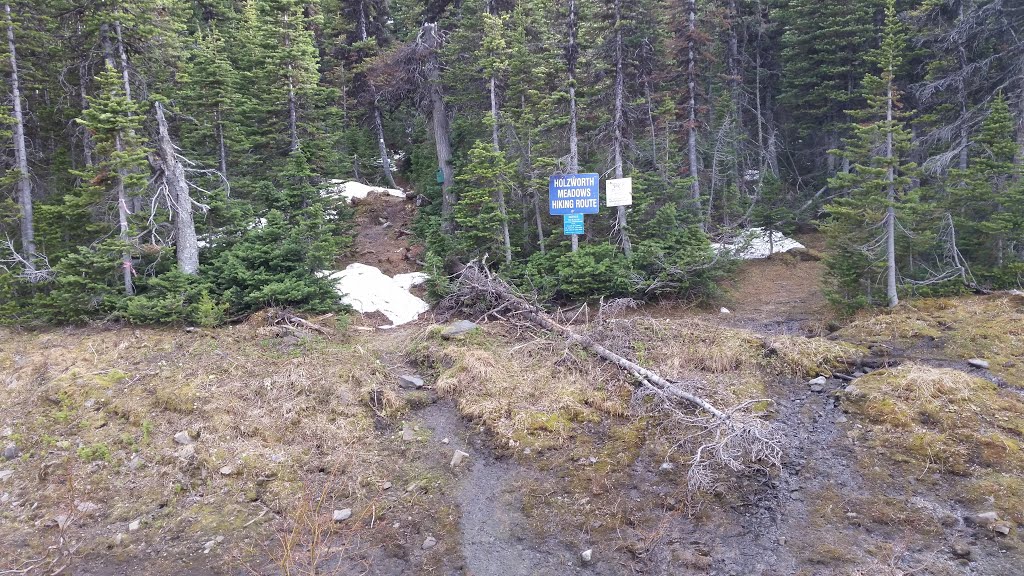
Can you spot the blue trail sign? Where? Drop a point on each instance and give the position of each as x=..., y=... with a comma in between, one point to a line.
x=574, y=194
x=572, y=224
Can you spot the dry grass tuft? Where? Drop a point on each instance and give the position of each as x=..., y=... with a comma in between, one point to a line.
x=940, y=420
x=526, y=394
x=799, y=357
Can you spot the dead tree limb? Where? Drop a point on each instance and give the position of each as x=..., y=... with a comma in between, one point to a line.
x=733, y=439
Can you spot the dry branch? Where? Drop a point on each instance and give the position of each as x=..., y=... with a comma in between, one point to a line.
x=731, y=439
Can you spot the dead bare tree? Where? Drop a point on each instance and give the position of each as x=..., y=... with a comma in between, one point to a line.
x=732, y=439
x=186, y=245
x=24, y=182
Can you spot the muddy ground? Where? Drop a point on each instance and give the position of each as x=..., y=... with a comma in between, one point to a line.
x=561, y=460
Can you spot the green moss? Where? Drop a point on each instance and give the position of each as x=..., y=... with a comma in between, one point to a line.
x=111, y=378
x=94, y=453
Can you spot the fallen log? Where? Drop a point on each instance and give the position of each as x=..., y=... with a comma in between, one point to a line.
x=732, y=439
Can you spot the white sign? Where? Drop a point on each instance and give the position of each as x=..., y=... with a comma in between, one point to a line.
x=619, y=192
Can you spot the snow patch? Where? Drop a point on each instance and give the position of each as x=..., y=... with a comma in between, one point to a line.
x=352, y=189
x=367, y=289
x=407, y=281
x=756, y=243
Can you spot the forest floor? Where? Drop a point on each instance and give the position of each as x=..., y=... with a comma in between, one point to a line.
x=229, y=451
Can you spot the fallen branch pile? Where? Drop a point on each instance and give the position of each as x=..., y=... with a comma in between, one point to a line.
x=730, y=439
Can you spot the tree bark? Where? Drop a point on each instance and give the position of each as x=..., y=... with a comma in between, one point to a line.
x=618, y=121
x=24, y=182
x=496, y=144
x=572, y=55
x=691, y=127
x=385, y=158
x=127, y=268
x=378, y=124
x=890, y=212
x=186, y=245
x=439, y=119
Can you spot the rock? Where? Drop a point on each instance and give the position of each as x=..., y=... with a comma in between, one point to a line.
x=134, y=525
x=961, y=549
x=841, y=419
x=135, y=463
x=817, y=388
x=5, y=474
x=209, y=546
x=667, y=467
x=342, y=515
x=853, y=391
x=458, y=330
x=819, y=381
x=227, y=470
x=385, y=486
x=408, y=434
x=11, y=452
x=87, y=507
x=1003, y=527
x=978, y=363
x=183, y=437
x=985, y=519
x=445, y=441
x=186, y=452
x=859, y=374
x=119, y=539
x=410, y=381
x=587, y=555
x=724, y=310
x=429, y=543
x=458, y=457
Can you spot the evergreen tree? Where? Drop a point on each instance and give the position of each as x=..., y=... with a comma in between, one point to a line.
x=824, y=48
x=118, y=176
x=862, y=225
x=987, y=200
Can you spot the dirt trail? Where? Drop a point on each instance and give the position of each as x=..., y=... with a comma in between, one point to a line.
x=495, y=536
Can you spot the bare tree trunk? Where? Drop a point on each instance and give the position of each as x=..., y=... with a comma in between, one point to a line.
x=540, y=221
x=736, y=93
x=123, y=55
x=961, y=54
x=378, y=124
x=618, y=121
x=385, y=158
x=127, y=269
x=691, y=127
x=186, y=245
x=890, y=213
x=572, y=54
x=496, y=144
x=24, y=182
x=83, y=79
x=502, y=207
x=439, y=117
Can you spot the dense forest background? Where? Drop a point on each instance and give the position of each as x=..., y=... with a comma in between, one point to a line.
x=164, y=158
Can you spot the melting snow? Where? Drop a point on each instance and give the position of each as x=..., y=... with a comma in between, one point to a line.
x=367, y=289
x=753, y=243
x=352, y=189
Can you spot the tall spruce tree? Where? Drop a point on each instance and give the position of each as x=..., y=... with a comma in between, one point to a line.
x=862, y=225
